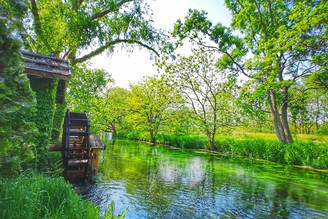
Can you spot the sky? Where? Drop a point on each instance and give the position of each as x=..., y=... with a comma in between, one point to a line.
x=130, y=67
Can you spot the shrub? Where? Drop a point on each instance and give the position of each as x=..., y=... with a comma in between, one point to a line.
x=17, y=101
x=323, y=130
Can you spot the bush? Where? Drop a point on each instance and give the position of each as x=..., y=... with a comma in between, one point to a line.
x=323, y=130
x=137, y=136
x=17, y=101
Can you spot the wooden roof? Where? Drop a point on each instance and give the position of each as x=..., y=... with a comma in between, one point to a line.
x=46, y=66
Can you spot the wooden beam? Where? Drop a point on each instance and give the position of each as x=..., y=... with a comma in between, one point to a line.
x=46, y=74
x=46, y=66
x=37, y=55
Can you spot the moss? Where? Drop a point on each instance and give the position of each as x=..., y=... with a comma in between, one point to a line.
x=58, y=123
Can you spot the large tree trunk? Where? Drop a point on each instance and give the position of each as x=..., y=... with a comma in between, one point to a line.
x=152, y=137
x=210, y=138
x=280, y=120
x=114, y=136
x=284, y=116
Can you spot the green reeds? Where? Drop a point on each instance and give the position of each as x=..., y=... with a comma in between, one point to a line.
x=109, y=214
x=302, y=153
x=183, y=141
x=297, y=153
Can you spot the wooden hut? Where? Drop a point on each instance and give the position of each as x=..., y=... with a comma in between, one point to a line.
x=39, y=67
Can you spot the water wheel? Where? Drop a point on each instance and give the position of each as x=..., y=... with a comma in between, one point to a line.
x=76, y=146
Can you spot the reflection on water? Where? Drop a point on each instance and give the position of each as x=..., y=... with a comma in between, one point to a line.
x=155, y=182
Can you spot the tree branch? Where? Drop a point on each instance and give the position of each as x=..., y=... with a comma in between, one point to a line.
x=115, y=8
x=106, y=46
x=37, y=23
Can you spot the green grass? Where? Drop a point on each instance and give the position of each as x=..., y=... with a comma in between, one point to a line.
x=37, y=196
x=312, y=138
x=42, y=197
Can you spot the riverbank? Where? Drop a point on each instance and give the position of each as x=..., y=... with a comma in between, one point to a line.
x=303, y=152
x=214, y=153
x=299, y=153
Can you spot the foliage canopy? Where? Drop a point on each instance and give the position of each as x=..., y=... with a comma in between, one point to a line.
x=280, y=43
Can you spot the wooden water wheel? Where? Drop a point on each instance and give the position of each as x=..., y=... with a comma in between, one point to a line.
x=76, y=146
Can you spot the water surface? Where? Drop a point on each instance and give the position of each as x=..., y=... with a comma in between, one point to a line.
x=157, y=182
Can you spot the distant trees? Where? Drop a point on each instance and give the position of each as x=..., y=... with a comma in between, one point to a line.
x=282, y=42
x=109, y=111
x=206, y=91
x=282, y=55
x=148, y=102
x=179, y=120
x=309, y=109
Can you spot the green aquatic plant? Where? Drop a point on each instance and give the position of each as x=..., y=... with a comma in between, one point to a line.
x=109, y=214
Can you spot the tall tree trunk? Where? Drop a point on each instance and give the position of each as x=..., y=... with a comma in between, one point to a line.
x=210, y=138
x=280, y=120
x=284, y=116
x=152, y=137
x=317, y=114
x=114, y=136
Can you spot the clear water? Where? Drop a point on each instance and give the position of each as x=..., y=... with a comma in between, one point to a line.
x=157, y=182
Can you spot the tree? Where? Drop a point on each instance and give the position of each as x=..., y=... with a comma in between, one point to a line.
x=110, y=110
x=148, y=102
x=251, y=101
x=207, y=91
x=17, y=101
x=282, y=41
x=86, y=86
x=179, y=121
x=308, y=108
x=79, y=30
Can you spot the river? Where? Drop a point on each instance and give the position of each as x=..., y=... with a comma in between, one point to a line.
x=158, y=182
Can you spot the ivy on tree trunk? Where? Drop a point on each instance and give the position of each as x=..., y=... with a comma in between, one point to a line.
x=45, y=90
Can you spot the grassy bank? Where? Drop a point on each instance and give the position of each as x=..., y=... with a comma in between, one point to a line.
x=42, y=197
x=306, y=151
x=301, y=153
